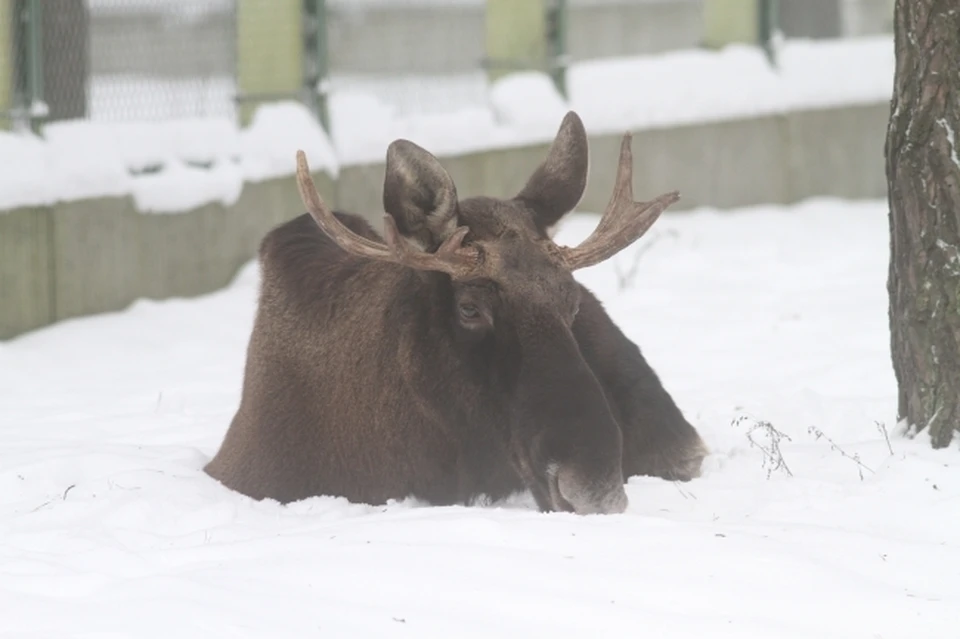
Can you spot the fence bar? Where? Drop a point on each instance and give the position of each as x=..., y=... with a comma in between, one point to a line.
x=269, y=52
x=6, y=61
x=35, y=60
x=769, y=24
x=516, y=34
x=729, y=21
x=557, y=21
x=316, y=60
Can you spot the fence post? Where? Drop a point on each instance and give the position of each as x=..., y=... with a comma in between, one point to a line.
x=28, y=102
x=65, y=25
x=729, y=21
x=557, y=21
x=316, y=61
x=35, y=103
x=516, y=35
x=6, y=64
x=269, y=53
x=769, y=24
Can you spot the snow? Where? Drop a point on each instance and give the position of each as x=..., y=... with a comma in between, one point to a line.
x=93, y=158
x=951, y=140
x=776, y=314
x=528, y=99
x=700, y=86
x=617, y=94
x=275, y=131
x=167, y=166
x=192, y=11
x=24, y=179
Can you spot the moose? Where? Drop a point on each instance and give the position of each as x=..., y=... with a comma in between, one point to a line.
x=454, y=357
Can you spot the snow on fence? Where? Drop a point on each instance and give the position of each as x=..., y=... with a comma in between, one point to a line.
x=80, y=231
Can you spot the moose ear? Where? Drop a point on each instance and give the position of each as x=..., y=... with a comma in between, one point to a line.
x=419, y=194
x=557, y=185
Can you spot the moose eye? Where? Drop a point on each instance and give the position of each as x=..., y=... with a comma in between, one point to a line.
x=474, y=310
x=469, y=312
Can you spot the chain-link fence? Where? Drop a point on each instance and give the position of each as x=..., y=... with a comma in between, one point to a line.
x=118, y=59
x=415, y=55
x=151, y=59
x=123, y=60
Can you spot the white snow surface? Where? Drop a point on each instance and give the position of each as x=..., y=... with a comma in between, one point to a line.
x=194, y=10
x=167, y=166
x=109, y=528
x=193, y=161
x=617, y=94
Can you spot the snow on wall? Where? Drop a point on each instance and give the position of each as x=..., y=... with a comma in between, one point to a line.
x=193, y=10
x=614, y=95
x=166, y=166
x=175, y=165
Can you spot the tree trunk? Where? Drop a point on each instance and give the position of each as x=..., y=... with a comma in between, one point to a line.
x=923, y=176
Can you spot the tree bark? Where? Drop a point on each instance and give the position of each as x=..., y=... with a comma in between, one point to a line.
x=923, y=176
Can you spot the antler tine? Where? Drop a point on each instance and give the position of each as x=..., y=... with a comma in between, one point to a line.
x=325, y=219
x=622, y=188
x=623, y=222
x=451, y=257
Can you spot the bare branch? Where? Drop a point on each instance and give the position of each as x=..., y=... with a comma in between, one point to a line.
x=772, y=455
x=819, y=434
x=886, y=436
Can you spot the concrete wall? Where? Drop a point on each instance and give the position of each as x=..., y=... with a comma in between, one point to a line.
x=725, y=164
x=26, y=271
x=93, y=256
x=78, y=258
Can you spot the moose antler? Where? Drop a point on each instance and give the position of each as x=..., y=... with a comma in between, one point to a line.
x=452, y=257
x=623, y=222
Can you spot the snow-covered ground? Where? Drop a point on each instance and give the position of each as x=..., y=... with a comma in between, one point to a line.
x=177, y=164
x=108, y=528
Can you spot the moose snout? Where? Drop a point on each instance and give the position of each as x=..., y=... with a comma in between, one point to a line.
x=586, y=497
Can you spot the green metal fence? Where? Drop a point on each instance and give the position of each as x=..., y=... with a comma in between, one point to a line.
x=121, y=60
x=116, y=59
x=113, y=60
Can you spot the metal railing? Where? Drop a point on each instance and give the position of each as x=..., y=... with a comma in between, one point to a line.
x=113, y=60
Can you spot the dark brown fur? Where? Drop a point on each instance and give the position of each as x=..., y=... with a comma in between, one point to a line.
x=363, y=380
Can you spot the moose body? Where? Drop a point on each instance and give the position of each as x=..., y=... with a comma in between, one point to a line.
x=454, y=358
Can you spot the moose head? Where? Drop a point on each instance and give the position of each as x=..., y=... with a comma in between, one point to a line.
x=442, y=360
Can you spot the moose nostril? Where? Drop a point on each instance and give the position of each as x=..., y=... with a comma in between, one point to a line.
x=586, y=498
x=616, y=502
